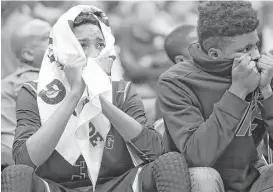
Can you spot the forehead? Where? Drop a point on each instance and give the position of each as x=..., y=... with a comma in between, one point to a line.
x=241, y=41
x=88, y=31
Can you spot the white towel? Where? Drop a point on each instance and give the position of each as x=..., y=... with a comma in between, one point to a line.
x=87, y=129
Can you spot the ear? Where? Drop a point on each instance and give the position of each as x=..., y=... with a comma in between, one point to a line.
x=215, y=53
x=179, y=59
x=27, y=54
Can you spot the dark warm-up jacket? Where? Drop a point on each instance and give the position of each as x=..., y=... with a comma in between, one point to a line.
x=211, y=125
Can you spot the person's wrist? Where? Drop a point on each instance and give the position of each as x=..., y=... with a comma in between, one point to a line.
x=266, y=91
x=238, y=91
x=102, y=102
x=76, y=92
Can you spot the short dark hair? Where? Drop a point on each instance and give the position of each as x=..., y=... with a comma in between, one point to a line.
x=85, y=17
x=220, y=19
x=177, y=40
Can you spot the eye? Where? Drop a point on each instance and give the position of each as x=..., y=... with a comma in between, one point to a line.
x=247, y=49
x=100, y=45
x=84, y=45
x=258, y=44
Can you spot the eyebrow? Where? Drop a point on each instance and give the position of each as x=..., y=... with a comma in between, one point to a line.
x=99, y=39
x=87, y=39
x=83, y=39
x=249, y=44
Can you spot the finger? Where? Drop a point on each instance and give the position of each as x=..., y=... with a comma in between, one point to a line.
x=265, y=57
x=76, y=61
x=246, y=61
x=73, y=57
x=265, y=61
x=252, y=65
x=268, y=54
x=80, y=62
x=262, y=65
x=249, y=68
x=255, y=69
x=66, y=67
x=238, y=60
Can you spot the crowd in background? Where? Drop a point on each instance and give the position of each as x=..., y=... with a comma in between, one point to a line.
x=138, y=26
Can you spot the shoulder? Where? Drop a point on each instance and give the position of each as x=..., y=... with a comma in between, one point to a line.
x=27, y=98
x=25, y=73
x=31, y=86
x=176, y=83
x=19, y=77
x=7, y=85
x=27, y=92
x=30, y=75
x=9, y=80
x=180, y=71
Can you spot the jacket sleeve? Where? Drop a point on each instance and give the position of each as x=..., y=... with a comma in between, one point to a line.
x=149, y=143
x=201, y=140
x=28, y=122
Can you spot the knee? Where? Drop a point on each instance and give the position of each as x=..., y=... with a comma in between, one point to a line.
x=171, y=171
x=172, y=157
x=14, y=169
x=205, y=179
x=171, y=160
x=6, y=155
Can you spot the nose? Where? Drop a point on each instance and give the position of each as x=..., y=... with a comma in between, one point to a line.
x=255, y=54
x=113, y=57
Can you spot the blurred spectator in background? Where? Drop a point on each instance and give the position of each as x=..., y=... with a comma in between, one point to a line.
x=268, y=26
x=182, y=12
x=141, y=45
x=13, y=14
x=16, y=13
x=28, y=43
x=177, y=42
x=141, y=52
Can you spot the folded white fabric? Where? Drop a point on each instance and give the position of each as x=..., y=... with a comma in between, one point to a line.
x=87, y=128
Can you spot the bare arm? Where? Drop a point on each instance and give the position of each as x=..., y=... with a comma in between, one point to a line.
x=42, y=143
x=130, y=121
x=128, y=127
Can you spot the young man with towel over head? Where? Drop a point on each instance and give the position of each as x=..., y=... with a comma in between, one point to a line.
x=77, y=129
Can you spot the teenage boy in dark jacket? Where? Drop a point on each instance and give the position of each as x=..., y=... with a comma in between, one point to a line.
x=218, y=106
